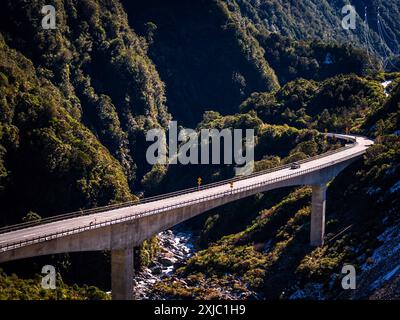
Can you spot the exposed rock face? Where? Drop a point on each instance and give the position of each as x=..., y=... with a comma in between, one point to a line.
x=380, y=275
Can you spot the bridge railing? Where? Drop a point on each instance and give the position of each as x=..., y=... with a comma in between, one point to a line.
x=134, y=216
x=170, y=194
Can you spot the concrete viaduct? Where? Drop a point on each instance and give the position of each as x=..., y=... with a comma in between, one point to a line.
x=120, y=228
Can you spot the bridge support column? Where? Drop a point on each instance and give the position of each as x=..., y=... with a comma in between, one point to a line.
x=318, y=215
x=122, y=274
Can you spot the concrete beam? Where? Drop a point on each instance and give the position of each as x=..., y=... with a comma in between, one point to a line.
x=122, y=274
x=318, y=214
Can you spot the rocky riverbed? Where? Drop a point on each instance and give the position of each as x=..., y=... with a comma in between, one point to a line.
x=177, y=246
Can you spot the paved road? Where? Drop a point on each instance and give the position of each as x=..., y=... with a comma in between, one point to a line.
x=93, y=219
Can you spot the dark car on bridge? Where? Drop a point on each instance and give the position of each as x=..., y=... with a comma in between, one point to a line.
x=294, y=165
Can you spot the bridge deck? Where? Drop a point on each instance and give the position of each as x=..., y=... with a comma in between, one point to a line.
x=95, y=219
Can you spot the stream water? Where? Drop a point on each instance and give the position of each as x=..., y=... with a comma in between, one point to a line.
x=177, y=246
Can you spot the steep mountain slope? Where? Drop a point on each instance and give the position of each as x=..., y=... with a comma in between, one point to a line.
x=386, y=120
x=337, y=104
x=14, y=288
x=185, y=37
x=76, y=103
x=100, y=65
x=49, y=162
x=313, y=59
x=304, y=19
x=241, y=57
x=270, y=257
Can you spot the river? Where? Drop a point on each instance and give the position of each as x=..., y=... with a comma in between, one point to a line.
x=177, y=245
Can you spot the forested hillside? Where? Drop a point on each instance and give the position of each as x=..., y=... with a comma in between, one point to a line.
x=321, y=19
x=184, y=37
x=100, y=65
x=270, y=257
x=49, y=161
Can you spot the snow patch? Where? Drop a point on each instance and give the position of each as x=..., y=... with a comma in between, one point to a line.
x=385, y=85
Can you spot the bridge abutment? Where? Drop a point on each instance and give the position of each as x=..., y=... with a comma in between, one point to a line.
x=318, y=214
x=122, y=272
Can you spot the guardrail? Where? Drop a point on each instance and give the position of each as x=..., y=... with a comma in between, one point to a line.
x=170, y=194
x=17, y=244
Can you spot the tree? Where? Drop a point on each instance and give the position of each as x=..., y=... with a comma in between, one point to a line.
x=31, y=216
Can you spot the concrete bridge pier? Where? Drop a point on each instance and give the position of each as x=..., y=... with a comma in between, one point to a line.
x=122, y=274
x=318, y=214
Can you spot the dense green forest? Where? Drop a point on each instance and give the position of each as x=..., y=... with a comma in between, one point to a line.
x=115, y=75
x=15, y=288
x=67, y=164
x=76, y=103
